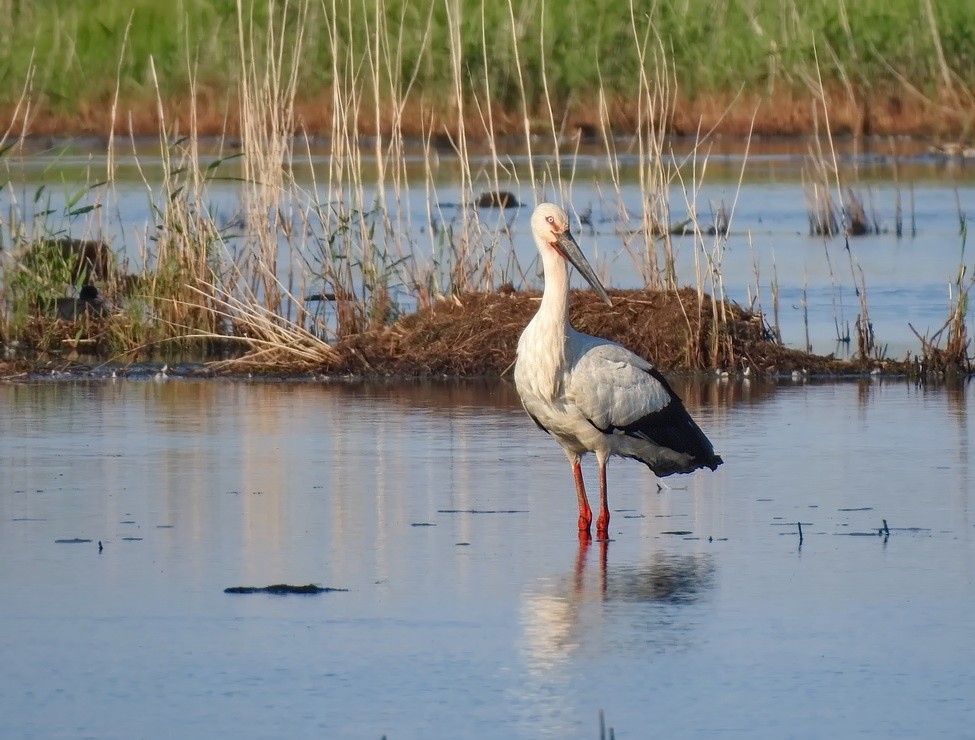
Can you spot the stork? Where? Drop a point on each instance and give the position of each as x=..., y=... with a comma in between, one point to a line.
x=594, y=395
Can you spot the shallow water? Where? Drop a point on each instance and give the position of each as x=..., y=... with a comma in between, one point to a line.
x=909, y=279
x=471, y=609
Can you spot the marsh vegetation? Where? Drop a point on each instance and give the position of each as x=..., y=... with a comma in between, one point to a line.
x=326, y=262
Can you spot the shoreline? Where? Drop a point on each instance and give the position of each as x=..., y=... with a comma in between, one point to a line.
x=783, y=114
x=475, y=336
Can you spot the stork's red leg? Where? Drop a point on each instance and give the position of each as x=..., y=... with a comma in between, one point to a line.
x=602, y=522
x=585, y=513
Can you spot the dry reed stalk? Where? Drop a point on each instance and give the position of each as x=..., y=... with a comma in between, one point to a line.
x=526, y=120
x=863, y=325
x=271, y=342
x=268, y=86
x=709, y=276
x=386, y=67
x=776, y=325
x=854, y=222
x=657, y=98
x=463, y=254
x=645, y=264
x=22, y=109
x=348, y=260
x=954, y=357
x=501, y=229
x=184, y=233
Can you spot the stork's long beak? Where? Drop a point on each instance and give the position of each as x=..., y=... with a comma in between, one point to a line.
x=567, y=245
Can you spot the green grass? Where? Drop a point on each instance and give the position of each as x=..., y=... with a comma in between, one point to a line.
x=715, y=45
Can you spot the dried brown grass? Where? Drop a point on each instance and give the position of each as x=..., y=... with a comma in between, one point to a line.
x=476, y=334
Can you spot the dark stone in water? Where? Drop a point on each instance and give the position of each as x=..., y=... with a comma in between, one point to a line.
x=281, y=589
x=497, y=199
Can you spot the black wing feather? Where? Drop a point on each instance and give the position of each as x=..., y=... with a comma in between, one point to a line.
x=671, y=427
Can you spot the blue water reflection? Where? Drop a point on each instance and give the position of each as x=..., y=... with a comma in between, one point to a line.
x=472, y=610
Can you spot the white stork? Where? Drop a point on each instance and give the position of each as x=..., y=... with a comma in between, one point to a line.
x=594, y=395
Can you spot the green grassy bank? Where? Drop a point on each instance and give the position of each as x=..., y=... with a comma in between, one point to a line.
x=70, y=52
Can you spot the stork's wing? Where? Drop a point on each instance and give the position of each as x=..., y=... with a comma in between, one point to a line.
x=619, y=391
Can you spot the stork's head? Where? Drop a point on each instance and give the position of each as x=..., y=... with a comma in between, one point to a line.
x=550, y=227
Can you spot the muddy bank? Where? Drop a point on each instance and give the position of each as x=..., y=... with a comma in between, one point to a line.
x=732, y=113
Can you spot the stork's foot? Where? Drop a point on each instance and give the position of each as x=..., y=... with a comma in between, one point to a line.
x=602, y=526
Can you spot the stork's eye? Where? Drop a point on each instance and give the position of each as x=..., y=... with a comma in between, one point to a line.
x=550, y=219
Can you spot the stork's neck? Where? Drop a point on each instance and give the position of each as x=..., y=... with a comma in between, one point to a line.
x=551, y=326
x=554, y=309
x=541, y=364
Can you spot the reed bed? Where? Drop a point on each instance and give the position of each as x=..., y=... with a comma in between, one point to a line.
x=393, y=286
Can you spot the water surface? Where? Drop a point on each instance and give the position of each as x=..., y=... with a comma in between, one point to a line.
x=472, y=611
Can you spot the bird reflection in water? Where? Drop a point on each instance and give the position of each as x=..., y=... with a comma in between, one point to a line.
x=606, y=608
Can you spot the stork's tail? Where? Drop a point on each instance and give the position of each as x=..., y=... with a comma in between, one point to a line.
x=712, y=462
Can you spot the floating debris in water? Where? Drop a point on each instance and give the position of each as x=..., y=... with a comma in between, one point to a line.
x=862, y=508
x=423, y=524
x=131, y=539
x=679, y=532
x=73, y=541
x=482, y=511
x=281, y=589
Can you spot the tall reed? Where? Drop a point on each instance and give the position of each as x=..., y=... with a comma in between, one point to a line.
x=349, y=235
